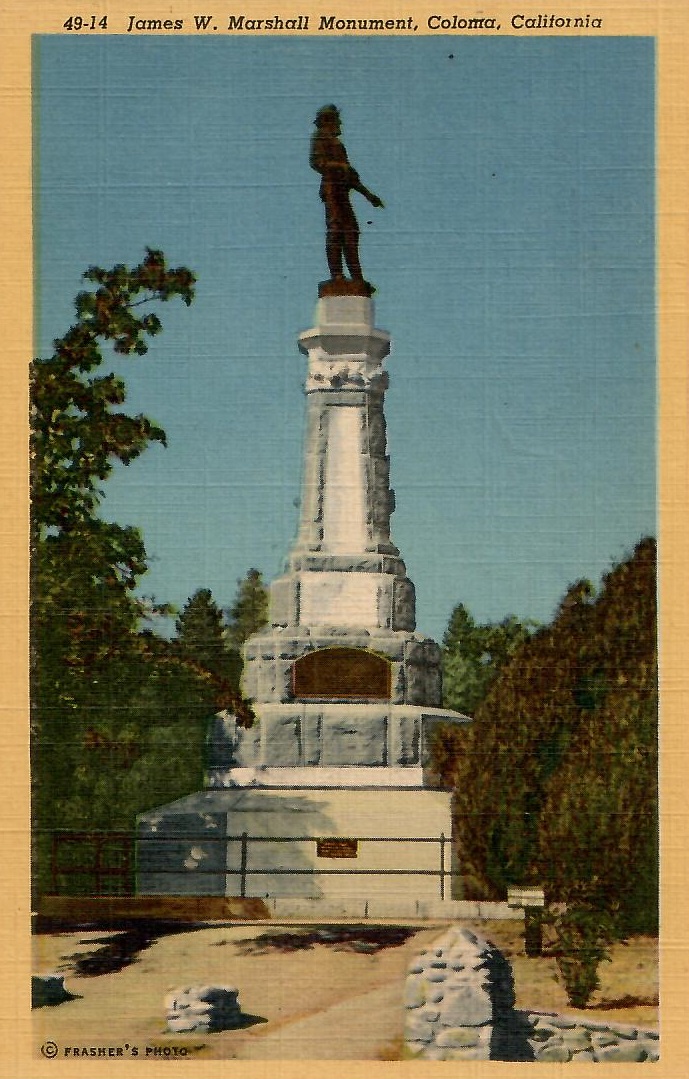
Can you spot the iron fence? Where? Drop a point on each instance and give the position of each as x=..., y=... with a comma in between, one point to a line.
x=92, y=863
x=104, y=863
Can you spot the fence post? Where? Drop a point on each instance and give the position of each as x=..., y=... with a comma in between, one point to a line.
x=97, y=863
x=53, y=862
x=442, y=865
x=242, y=868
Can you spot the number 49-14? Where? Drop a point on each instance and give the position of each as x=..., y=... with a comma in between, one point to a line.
x=75, y=22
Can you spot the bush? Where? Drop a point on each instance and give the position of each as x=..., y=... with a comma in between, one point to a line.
x=583, y=933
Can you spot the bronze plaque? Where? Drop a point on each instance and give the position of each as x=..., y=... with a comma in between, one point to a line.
x=342, y=673
x=337, y=848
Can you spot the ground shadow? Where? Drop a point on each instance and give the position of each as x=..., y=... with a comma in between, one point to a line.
x=120, y=948
x=511, y=1029
x=42, y=999
x=247, y=1020
x=510, y=1038
x=124, y=940
x=365, y=939
x=627, y=1001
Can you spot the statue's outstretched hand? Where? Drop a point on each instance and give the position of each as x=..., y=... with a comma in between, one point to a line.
x=373, y=199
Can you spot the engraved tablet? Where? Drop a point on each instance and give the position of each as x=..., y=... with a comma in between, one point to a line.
x=337, y=848
x=342, y=673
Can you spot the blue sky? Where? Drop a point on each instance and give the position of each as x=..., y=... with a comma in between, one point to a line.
x=514, y=266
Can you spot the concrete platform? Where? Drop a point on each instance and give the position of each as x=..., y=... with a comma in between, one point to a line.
x=345, y=847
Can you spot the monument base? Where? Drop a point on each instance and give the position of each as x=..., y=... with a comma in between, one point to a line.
x=315, y=849
x=345, y=286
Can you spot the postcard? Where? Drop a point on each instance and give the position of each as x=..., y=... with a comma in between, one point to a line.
x=344, y=622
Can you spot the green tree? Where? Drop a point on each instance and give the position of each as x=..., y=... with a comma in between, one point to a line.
x=86, y=649
x=583, y=930
x=556, y=779
x=249, y=612
x=473, y=655
x=84, y=569
x=598, y=834
x=77, y=430
x=201, y=636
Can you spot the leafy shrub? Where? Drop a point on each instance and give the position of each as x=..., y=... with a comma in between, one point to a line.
x=583, y=934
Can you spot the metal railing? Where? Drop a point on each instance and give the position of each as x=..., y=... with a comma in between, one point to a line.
x=92, y=863
x=104, y=863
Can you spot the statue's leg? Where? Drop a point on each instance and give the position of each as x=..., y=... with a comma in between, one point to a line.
x=333, y=253
x=351, y=253
x=333, y=238
x=350, y=238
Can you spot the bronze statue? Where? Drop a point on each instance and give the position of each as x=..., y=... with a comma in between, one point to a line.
x=338, y=178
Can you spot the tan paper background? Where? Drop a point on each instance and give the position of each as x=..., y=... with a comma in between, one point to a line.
x=668, y=22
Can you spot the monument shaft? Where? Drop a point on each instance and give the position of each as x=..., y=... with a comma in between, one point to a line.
x=344, y=569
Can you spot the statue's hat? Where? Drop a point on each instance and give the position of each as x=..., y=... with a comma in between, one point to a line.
x=326, y=113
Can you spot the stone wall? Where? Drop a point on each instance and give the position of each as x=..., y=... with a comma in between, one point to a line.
x=415, y=661
x=563, y=1038
x=459, y=999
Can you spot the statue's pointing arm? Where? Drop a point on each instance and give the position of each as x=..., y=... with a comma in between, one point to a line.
x=375, y=200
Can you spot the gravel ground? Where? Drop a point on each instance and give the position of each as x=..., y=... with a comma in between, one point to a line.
x=307, y=992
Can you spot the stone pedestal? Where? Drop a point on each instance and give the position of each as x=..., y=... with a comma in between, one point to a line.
x=346, y=693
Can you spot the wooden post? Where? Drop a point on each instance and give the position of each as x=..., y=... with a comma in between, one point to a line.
x=533, y=931
x=532, y=901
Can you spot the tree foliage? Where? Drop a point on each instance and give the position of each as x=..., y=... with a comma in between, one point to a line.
x=556, y=779
x=78, y=430
x=202, y=643
x=201, y=635
x=104, y=696
x=473, y=655
x=584, y=930
x=599, y=828
x=84, y=569
x=249, y=612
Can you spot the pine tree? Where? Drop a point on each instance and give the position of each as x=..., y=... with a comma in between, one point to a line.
x=249, y=612
x=473, y=655
x=598, y=832
x=201, y=631
x=84, y=569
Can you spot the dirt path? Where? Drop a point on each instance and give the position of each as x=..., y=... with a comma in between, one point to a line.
x=307, y=992
x=327, y=1000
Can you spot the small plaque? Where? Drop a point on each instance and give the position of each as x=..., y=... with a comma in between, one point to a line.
x=337, y=848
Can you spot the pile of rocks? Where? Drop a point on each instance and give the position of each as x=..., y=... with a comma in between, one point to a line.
x=459, y=999
x=455, y=994
x=203, y=1009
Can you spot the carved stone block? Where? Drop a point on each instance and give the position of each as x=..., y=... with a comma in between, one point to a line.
x=358, y=740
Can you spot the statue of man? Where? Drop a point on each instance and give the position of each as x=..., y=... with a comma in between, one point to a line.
x=338, y=178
